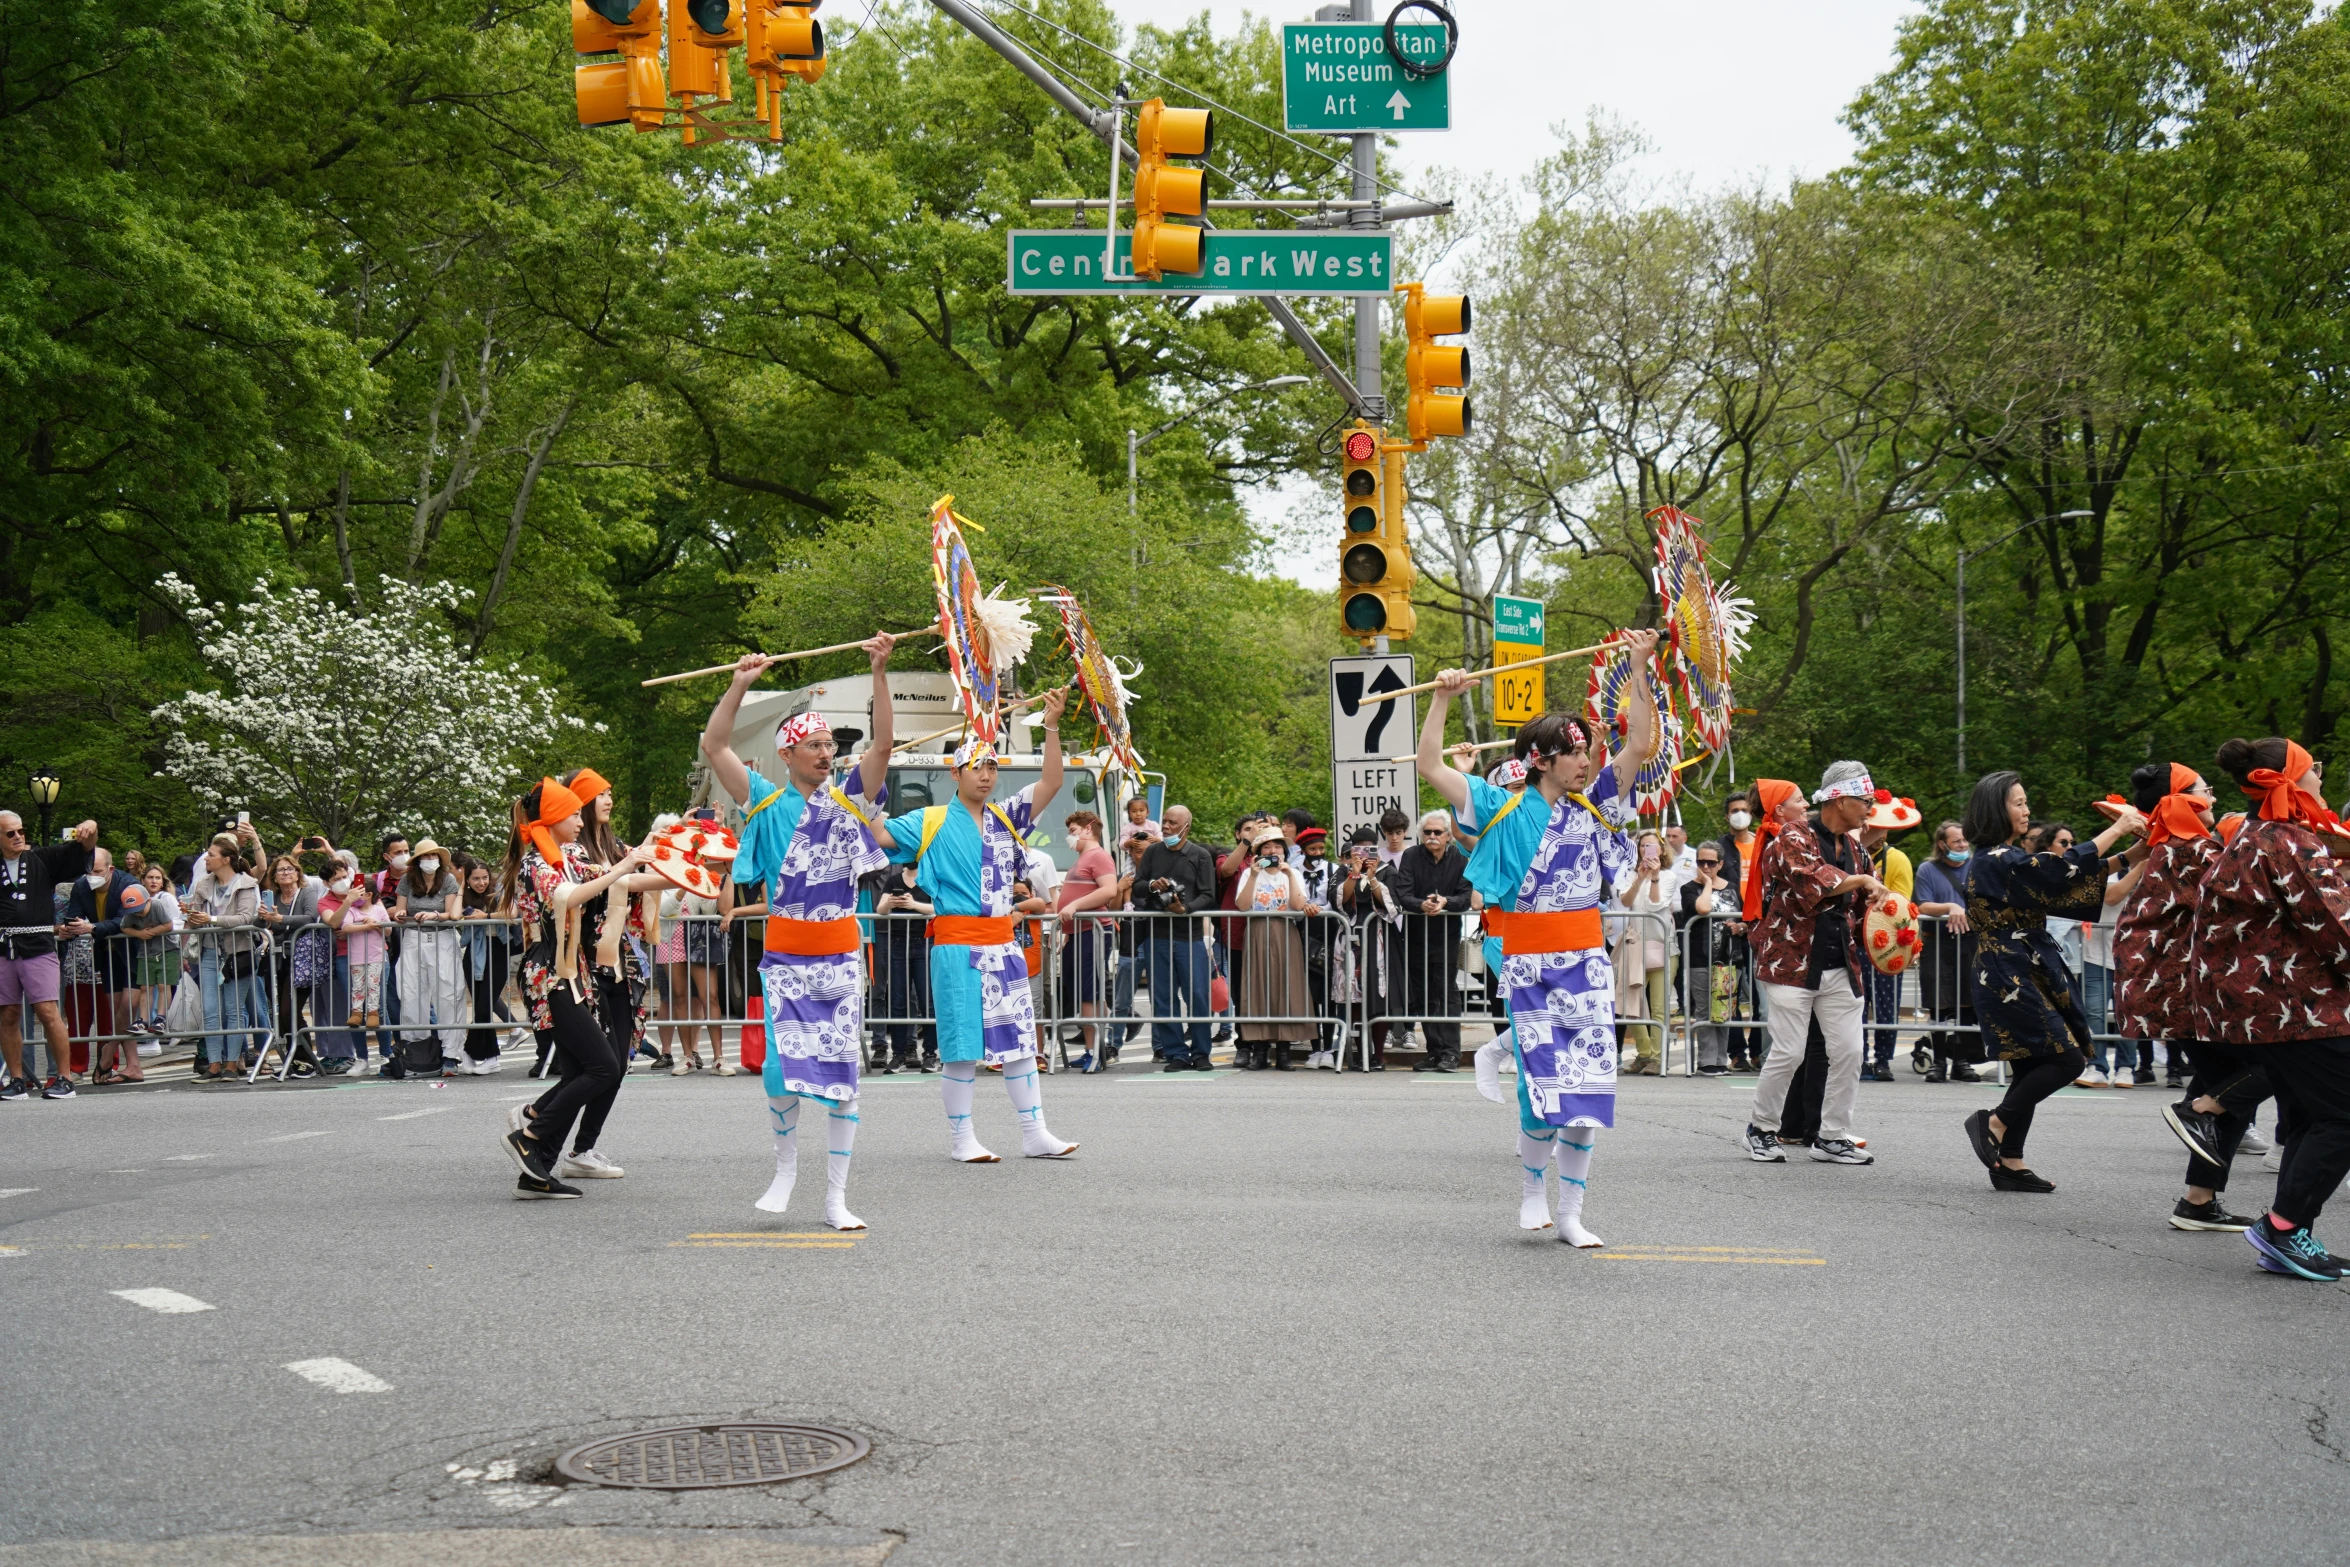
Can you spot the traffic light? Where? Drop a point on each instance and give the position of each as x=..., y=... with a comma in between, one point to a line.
x=1375, y=573
x=700, y=33
x=631, y=89
x=1162, y=188
x=1429, y=364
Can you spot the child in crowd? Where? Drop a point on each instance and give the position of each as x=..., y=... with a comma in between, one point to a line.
x=155, y=960
x=362, y=921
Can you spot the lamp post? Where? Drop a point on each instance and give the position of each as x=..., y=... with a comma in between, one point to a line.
x=2062, y=516
x=45, y=784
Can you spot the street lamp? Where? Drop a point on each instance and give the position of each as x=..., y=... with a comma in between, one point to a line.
x=1135, y=443
x=45, y=784
x=2062, y=516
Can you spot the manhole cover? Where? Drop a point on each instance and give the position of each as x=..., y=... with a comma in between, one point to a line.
x=694, y=1458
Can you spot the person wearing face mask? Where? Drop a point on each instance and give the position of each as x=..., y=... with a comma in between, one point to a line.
x=384, y=886
x=1545, y=908
x=1273, y=976
x=96, y=901
x=1174, y=879
x=340, y=1048
x=430, y=972
x=1744, y=1012
x=1946, y=958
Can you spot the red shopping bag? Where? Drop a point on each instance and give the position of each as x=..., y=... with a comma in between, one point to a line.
x=755, y=1033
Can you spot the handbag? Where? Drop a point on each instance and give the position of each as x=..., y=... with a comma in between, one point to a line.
x=185, y=1015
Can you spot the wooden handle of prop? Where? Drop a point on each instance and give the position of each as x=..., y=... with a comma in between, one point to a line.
x=1488, y=745
x=1485, y=674
x=806, y=652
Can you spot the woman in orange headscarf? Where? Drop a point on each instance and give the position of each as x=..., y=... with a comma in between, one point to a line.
x=2152, y=954
x=582, y=1010
x=2271, y=959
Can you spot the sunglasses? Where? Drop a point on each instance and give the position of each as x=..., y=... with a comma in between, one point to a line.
x=1431, y=832
x=1709, y=862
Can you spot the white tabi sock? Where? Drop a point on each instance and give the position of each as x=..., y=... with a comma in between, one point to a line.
x=841, y=1137
x=1490, y=1056
x=783, y=1111
x=954, y=1086
x=1574, y=1158
x=1533, y=1162
x=1036, y=1139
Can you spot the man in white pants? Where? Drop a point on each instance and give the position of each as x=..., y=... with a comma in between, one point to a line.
x=1800, y=906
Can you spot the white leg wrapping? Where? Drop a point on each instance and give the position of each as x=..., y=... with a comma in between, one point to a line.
x=783, y=1113
x=1574, y=1160
x=840, y=1140
x=1036, y=1139
x=954, y=1086
x=1490, y=1056
x=1533, y=1161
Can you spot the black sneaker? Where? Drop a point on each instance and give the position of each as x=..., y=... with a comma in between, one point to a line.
x=2210, y=1215
x=528, y=1157
x=543, y=1186
x=1960, y=1072
x=57, y=1088
x=1762, y=1147
x=1840, y=1150
x=2199, y=1131
x=2295, y=1252
x=2004, y=1179
x=1172, y=1066
x=15, y=1087
x=2143, y=1076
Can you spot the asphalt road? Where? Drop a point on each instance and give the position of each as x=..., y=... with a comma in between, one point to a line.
x=1257, y=1318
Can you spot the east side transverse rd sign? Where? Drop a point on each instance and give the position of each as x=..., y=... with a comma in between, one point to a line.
x=1232, y=261
x=1338, y=77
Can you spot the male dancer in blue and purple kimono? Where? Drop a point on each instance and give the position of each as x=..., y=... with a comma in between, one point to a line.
x=1542, y=901
x=807, y=839
x=968, y=854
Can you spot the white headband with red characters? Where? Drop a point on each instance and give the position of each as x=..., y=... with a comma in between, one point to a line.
x=803, y=726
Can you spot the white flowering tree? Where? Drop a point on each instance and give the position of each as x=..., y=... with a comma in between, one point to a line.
x=349, y=723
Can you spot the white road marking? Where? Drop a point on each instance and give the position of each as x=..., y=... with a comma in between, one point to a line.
x=174, y=1158
x=338, y=1376
x=17, y=1191
x=411, y=1115
x=170, y=1302
x=11, y=1251
x=295, y=1137
x=515, y=1099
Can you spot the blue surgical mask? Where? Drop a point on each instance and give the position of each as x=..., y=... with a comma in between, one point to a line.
x=1174, y=840
x=1960, y=856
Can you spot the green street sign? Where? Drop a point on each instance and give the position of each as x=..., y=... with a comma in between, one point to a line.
x=1517, y=620
x=1338, y=77
x=1232, y=261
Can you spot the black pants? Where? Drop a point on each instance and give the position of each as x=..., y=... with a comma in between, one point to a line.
x=2035, y=1078
x=2234, y=1077
x=2312, y=1082
x=482, y=1043
x=592, y=1065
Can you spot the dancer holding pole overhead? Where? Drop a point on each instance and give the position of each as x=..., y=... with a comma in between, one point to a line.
x=1541, y=886
x=2272, y=976
x=807, y=839
x=970, y=852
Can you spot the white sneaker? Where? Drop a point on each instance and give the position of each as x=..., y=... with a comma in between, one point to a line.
x=729, y=1069
x=150, y=1050
x=2252, y=1141
x=589, y=1166
x=2274, y=1159
x=2090, y=1079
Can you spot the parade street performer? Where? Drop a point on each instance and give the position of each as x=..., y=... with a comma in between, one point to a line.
x=2272, y=977
x=2153, y=944
x=969, y=853
x=807, y=840
x=1807, y=951
x=1541, y=888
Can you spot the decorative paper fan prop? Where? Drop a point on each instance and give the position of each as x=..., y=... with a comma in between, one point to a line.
x=678, y=852
x=1607, y=700
x=985, y=634
x=1098, y=676
x=1708, y=624
x=1889, y=933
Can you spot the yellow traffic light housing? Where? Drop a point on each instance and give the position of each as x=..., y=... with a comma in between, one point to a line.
x=630, y=90
x=1375, y=573
x=1429, y=364
x=1162, y=189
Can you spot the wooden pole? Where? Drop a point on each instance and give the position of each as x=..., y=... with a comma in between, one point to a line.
x=1484, y=674
x=810, y=652
x=1484, y=745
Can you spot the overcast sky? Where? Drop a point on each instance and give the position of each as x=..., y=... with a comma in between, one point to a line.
x=1726, y=90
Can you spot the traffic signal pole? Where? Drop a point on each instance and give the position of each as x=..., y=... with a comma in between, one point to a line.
x=1104, y=124
x=1371, y=403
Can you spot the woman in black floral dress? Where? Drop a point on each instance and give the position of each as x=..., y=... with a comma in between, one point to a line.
x=2023, y=992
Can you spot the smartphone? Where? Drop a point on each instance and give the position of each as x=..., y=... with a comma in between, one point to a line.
x=244, y=818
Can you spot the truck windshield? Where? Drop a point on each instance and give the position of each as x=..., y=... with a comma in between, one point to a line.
x=913, y=788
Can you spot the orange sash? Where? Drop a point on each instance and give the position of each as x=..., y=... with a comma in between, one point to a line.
x=970, y=930
x=1567, y=930
x=813, y=938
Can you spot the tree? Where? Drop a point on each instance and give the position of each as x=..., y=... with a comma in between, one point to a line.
x=349, y=722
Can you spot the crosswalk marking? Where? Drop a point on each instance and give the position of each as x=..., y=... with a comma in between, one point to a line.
x=170, y=1302
x=338, y=1376
x=410, y=1115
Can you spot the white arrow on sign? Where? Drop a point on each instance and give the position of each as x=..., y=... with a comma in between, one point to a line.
x=1399, y=103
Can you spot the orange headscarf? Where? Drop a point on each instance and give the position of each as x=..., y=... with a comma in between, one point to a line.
x=555, y=804
x=2175, y=814
x=2281, y=797
x=587, y=783
x=1768, y=795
